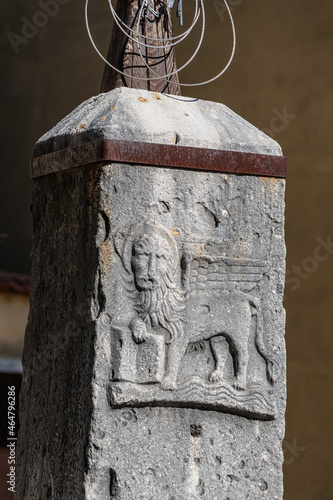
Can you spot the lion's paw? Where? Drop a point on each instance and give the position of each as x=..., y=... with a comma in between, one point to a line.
x=168, y=385
x=139, y=336
x=215, y=376
x=239, y=384
x=139, y=330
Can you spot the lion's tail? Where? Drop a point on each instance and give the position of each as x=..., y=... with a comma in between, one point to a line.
x=272, y=364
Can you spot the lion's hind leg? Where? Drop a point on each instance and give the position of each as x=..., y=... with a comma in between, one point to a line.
x=220, y=349
x=240, y=355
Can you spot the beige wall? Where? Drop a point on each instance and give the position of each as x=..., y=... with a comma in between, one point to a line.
x=13, y=318
x=283, y=61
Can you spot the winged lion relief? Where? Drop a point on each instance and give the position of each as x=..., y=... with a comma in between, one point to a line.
x=182, y=300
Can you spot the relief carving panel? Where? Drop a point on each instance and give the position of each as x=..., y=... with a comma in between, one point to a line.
x=187, y=301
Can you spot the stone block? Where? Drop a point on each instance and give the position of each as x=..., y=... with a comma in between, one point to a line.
x=154, y=363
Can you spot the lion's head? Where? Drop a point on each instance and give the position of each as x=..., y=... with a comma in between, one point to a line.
x=150, y=255
x=151, y=262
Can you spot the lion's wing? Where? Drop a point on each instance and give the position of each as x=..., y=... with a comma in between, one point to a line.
x=219, y=272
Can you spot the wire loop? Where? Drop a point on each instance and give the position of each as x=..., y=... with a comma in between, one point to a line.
x=169, y=42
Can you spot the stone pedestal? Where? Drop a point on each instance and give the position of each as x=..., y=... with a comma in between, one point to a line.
x=154, y=361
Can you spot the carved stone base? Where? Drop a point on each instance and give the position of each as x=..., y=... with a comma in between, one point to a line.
x=252, y=403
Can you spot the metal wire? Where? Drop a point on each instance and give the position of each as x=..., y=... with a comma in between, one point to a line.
x=164, y=77
x=199, y=8
x=183, y=35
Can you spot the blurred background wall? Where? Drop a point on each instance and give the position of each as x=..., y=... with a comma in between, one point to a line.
x=281, y=81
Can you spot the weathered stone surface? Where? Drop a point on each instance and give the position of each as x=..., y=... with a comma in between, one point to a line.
x=139, y=115
x=130, y=392
x=233, y=457
x=58, y=358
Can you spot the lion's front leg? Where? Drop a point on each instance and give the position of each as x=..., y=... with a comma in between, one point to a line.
x=175, y=352
x=220, y=349
x=139, y=330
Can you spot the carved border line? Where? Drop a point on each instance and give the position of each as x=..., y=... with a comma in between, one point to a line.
x=164, y=155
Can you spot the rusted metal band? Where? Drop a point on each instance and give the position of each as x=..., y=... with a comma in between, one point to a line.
x=164, y=155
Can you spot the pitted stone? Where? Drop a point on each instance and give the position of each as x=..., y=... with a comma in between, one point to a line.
x=154, y=363
x=139, y=115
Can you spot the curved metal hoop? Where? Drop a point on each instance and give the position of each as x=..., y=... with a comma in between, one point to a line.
x=199, y=8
